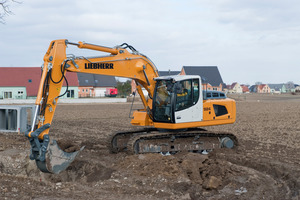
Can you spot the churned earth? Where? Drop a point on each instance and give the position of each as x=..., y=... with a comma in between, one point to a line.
x=265, y=165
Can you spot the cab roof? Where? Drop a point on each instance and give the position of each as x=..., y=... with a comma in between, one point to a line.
x=177, y=77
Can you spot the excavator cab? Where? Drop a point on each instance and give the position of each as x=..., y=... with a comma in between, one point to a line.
x=177, y=99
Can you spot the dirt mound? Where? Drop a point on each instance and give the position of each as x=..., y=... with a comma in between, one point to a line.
x=183, y=167
x=199, y=176
x=67, y=145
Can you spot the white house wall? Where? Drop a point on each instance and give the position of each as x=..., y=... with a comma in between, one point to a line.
x=237, y=88
x=72, y=89
x=16, y=92
x=100, y=92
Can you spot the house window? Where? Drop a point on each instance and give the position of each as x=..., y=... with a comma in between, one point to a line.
x=7, y=95
x=29, y=80
x=82, y=90
x=215, y=88
x=20, y=92
x=86, y=90
x=70, y=93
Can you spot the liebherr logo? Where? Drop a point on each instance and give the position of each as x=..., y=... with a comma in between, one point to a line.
x=99, y=65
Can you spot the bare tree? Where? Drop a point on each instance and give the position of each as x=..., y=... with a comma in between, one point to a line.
x=4, y=9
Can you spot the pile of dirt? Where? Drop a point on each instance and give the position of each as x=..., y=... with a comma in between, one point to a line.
x=182, y=167
x=67, y=145
x=198, y=176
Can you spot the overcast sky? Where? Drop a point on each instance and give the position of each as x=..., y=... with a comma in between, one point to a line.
x=249, y=40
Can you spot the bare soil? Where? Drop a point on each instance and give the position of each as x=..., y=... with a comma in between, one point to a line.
x=265, y=165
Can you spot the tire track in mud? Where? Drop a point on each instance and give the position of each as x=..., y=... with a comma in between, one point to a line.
x=287, y=185
x=269, y=160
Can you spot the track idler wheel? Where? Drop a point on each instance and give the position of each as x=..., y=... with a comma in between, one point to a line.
x=226, y=142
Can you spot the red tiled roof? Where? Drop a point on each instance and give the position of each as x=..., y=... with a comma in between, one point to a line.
x=245, y=88
x=261, y=86
x=72, y=79
x=28, y=77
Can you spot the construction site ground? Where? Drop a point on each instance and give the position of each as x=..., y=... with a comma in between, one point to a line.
x=265, y=165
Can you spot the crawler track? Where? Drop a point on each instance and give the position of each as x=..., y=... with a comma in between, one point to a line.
x=155, y=141
x=117, y=142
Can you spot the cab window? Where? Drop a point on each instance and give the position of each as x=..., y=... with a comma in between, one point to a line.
x=187, y=94
x=162, y=101
x=195, y=90
x=214, y=94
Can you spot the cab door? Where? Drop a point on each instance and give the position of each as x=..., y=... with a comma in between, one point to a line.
x=188, y=103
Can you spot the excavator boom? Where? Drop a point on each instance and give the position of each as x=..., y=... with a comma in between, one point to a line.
x=47, y=154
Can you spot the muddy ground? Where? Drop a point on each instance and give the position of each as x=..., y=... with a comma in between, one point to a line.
x=266, y=164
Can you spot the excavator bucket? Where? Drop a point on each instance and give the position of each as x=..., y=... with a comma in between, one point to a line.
x=56, y=160
x=49, y=157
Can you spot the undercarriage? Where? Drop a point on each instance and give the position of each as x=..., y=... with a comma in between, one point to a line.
x=152, y=140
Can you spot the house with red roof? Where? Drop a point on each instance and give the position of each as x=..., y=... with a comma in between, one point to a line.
x=263, y=88
x=245, y=89
x=95, y=85
x=23, y=82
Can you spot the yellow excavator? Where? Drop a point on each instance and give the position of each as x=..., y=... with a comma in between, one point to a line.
x=172, y=114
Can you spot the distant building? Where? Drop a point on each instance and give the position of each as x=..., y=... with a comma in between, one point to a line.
x=277, y=88
x=86, y=85
x=94, y=85
x=210, y=75
x=23, y=82
x=282, y=87
x=290, y=87
x=263, y=88
x=234, y=88
x=245, y=88
x=253, y=89
x=168, y=73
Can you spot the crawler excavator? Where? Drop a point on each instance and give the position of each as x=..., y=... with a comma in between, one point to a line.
x=171, y=117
